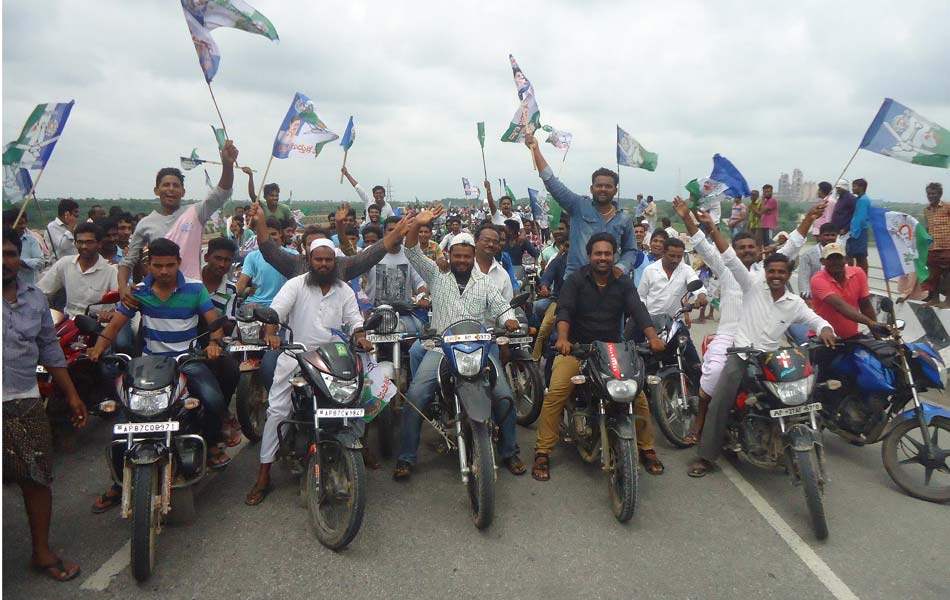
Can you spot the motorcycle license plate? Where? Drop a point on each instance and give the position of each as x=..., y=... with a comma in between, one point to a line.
x=797, y=410
x=467, y=337
x=126, y=428
x=340, y=413
x=245, y=348
x=379, y=338
x=519, y=340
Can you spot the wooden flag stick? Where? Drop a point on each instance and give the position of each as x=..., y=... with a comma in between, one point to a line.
x=345, y=152
x=845, y=169
x=561, y=168
x=30, y=194
x=484, y=168
x=220, y=118
x=263, y=179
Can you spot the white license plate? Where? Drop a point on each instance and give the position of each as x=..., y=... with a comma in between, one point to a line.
x=467, y=337
x=520, y=340
x=40, y=369
x=797, y=410
x=379, y=338
x=340, y=413
x=126, y=428
x=245, y=348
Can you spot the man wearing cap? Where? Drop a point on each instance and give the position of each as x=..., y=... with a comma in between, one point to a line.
x=462, y=293
x=312, y=304
x=841, y=296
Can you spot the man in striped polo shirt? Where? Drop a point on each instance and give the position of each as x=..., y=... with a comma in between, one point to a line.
x=171, y=307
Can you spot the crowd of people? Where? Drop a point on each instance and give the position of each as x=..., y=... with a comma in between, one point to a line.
x=600, y=267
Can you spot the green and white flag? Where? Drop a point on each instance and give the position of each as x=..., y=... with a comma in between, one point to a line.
x=38, y=137
x=220, y=136
x=190, y=162
x=705, y=192
x=559, y=139
x=203, y=16
x=631, y=154
x=528, y=117
x=481, y=133
x=901, y=133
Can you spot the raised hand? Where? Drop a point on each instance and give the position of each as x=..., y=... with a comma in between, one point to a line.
x=530, y=141
x=247, y=171
x=394, y=238
x=229, y=153
x=705, y=217
x=428, y=215
x=343, y=211
x=681, y=208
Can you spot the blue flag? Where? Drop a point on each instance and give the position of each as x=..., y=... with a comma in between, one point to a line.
x=725, y=172
x=39, y=136
x=349, y=136
x=536, y=211
x=901, y=133
x=17, y=183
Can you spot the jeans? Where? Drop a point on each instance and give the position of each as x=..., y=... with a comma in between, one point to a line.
x=125, y=340
x=540, y=307
x=203, y=385
x=422, y=392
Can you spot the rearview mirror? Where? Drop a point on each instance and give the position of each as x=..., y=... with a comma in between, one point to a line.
x=87, y=325
x=373, y=322
x=519, y=299
x=885, y=305
x=694, y=285
x=111, y=297
x=266, y=315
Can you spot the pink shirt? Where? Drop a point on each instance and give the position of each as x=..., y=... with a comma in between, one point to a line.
x=187, y=232
x=855, y=287
x=769, y=219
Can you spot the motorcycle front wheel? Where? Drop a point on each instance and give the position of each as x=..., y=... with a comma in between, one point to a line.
x=528, y=388
x=336, y=494
x=251, y=405
x=145, y=519
x=905, y=460
x=674, y=409
x=481, y=477
x=623, y=479
x=813, y=485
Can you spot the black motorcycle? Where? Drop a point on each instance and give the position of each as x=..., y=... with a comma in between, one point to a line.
x=600, y=415
x=250, y=402
x=322, y=436
x=674, y=385
x=524, y=374
x=161, y=448
x=773, y=424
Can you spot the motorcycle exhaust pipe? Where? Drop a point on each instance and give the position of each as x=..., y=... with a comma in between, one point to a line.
x=463, y=467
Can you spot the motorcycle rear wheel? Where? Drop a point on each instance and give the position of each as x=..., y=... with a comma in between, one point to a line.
x=336, y=494
x=385, y=427
x=623, y=480
x=145, y=520
x=813, y=485
x=251, y=405
x=673, y=416
x=528, y=387
x=481, y=477
x=901, y=453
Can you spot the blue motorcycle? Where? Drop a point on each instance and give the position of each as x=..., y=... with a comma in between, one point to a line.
x=878, y=378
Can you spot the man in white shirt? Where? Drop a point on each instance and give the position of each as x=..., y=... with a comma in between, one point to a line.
x=379, y=197
x=311, y=304
x=59, y=232
x=85, y=277
x=504, y=211
x=768, y=309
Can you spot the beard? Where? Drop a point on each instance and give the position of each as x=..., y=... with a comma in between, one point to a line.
x=319, y=279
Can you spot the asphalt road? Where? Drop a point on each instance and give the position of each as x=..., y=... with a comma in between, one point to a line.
x=738, y=533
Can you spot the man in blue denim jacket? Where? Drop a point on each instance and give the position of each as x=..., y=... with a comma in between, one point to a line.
x=590, y=215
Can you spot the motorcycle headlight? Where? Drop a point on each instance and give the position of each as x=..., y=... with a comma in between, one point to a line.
x=149, y=402
x=622, y=390
x=792, y=393
x=342, y=391
x=468, y=364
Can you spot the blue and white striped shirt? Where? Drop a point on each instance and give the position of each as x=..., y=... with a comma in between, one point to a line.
x=168, y=326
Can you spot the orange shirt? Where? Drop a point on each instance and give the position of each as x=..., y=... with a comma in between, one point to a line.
x=855, y=288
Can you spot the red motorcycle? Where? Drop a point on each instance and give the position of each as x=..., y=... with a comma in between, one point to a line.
x=74, y=335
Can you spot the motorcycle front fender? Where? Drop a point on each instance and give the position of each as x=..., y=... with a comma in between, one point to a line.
x=802, y=438
x=623, y=426
x=347, y=438
x=146, y=453
x=475, y=398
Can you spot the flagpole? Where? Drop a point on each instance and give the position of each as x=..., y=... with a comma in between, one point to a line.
x=561, y=168
x=345, y=152
x=264, y=178
x=30, y=194
x=220, y=118
x=485, y=168
x=843, y=171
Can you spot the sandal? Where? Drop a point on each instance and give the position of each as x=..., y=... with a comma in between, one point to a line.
x=107, y=501
x=257, y=495
x=515, y=465
x=57, y=571
x=651, y=462
x=232, y=432
x=402, y=471
x=691, y=438
x=541, y=470
x=700, y=468
x=218, y=459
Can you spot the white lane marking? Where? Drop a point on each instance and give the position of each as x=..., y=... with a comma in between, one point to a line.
x=101, y=579
x=815, y=564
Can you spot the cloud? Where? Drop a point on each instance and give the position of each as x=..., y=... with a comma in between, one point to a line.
x=771, y=86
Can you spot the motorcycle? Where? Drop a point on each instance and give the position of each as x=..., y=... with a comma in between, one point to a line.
x=462, y=412
x=674, y=387
x=774, y=426
x=524, y=374
x=161, y=448
x=600, y=416
x=250, y=403
x=879, y=378
x=322, y=436
x=74, y=336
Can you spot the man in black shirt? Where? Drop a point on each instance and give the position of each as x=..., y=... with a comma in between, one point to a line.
x=591, y=307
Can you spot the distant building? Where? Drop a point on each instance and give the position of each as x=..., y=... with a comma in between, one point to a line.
x=796, y=191
x=784, y=190
x=809, y=192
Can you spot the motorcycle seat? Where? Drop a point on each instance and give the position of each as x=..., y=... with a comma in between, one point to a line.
x=880, y=349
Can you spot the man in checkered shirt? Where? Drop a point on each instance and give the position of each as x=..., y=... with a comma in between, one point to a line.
x=462, y=293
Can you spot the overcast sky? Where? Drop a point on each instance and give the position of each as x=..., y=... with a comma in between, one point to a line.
x=772, y=86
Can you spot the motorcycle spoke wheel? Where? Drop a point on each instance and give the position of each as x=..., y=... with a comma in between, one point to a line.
x=673, y=410
x=527, y=389
x=251, y=405
x=481, y=477
x=905, y=458
x=335, y=485
x=145, y=520
x=807, y=463
x=623, y=480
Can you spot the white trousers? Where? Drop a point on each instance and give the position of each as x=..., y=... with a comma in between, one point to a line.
x=280, y=406
x=713, y=362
